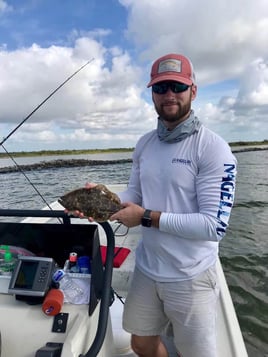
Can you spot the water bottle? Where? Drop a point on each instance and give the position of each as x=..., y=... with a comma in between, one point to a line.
x=84, y=264
x=72, y=292
x=7, y=261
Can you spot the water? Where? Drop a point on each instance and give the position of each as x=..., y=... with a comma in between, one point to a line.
x=244, y=250
x=52, y=183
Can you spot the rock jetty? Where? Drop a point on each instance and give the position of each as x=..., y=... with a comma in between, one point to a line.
x=55, y=164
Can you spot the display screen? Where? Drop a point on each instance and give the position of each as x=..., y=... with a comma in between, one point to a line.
x=32, y=276
x=26, y=275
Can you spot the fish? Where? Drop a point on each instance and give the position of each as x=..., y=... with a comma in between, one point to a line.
x=97, y=202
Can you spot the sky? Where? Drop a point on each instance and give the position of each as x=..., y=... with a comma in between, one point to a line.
x=107, y=104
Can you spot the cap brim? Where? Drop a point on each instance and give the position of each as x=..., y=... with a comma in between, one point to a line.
x=170, y=77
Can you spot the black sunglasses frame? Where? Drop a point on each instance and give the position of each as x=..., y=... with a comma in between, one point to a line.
x=175, y=87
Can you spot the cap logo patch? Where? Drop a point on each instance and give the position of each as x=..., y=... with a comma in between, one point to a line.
x=169, y=65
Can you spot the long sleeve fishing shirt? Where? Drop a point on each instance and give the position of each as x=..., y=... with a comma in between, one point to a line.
x=192, y=184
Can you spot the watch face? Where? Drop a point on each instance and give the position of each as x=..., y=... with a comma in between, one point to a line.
x=146, y=222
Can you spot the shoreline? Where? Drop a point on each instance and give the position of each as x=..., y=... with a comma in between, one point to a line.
x=64, y=152
x=249, y=148
x=241, y=145
x=65, y=163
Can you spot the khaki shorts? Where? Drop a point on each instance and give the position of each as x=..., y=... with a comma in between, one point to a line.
x=189, y=305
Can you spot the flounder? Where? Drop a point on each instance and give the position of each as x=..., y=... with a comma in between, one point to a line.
x=97, y=202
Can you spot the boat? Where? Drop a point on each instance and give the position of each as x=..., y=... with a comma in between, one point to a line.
x=94, y=328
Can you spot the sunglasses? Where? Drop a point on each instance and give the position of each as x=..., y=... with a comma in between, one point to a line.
x=176, y=87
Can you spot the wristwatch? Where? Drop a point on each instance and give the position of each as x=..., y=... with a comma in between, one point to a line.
x=146, y=220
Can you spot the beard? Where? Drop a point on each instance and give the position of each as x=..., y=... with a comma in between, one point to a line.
x=180, y=114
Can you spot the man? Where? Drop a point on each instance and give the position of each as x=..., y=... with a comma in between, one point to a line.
x=181, y=191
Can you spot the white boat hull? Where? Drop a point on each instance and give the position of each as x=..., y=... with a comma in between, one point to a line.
x=25, y=328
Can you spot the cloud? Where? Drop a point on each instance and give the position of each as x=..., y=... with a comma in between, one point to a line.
x=107, y=103
x=226, y=40
x=253, y=93
x=100, y=101
x=221, y=37
x=4, y=7
x=254, y=85
x=244, y=115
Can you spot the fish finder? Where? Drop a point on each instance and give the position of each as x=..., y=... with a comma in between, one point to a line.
x=31, y=276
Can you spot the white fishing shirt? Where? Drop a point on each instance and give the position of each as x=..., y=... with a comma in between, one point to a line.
x=192, y=182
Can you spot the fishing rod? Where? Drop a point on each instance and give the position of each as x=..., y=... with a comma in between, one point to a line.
x=27, y=178
x=26, y=118
x=43, y=102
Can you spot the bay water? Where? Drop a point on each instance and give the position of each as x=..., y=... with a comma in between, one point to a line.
x=243, y=252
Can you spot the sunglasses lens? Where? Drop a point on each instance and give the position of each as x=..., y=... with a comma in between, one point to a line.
x=160, y=88
x=176, y=87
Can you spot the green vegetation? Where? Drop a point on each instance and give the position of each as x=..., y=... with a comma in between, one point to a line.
x=249, y=143
x=99, y=151
x=64, y=152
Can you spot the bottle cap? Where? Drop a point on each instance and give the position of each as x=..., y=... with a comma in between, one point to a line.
x=58, y=275
x=7, y=255
x=73, y=257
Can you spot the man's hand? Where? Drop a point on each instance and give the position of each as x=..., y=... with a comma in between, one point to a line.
x=130, y=215
x=90, y=185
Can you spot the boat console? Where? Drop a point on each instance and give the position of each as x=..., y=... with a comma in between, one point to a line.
x=78, y=330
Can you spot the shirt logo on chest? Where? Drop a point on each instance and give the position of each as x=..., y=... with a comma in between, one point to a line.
x=181, y=161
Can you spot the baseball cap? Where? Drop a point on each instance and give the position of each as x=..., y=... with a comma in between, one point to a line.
x=172, y=67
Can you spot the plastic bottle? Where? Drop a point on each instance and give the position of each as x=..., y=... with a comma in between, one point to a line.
x=7, y=261
x=73, y=266
x=84, y=264
x=72, y=292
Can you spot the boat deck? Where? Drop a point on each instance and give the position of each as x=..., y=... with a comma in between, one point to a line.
x=230, y=340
